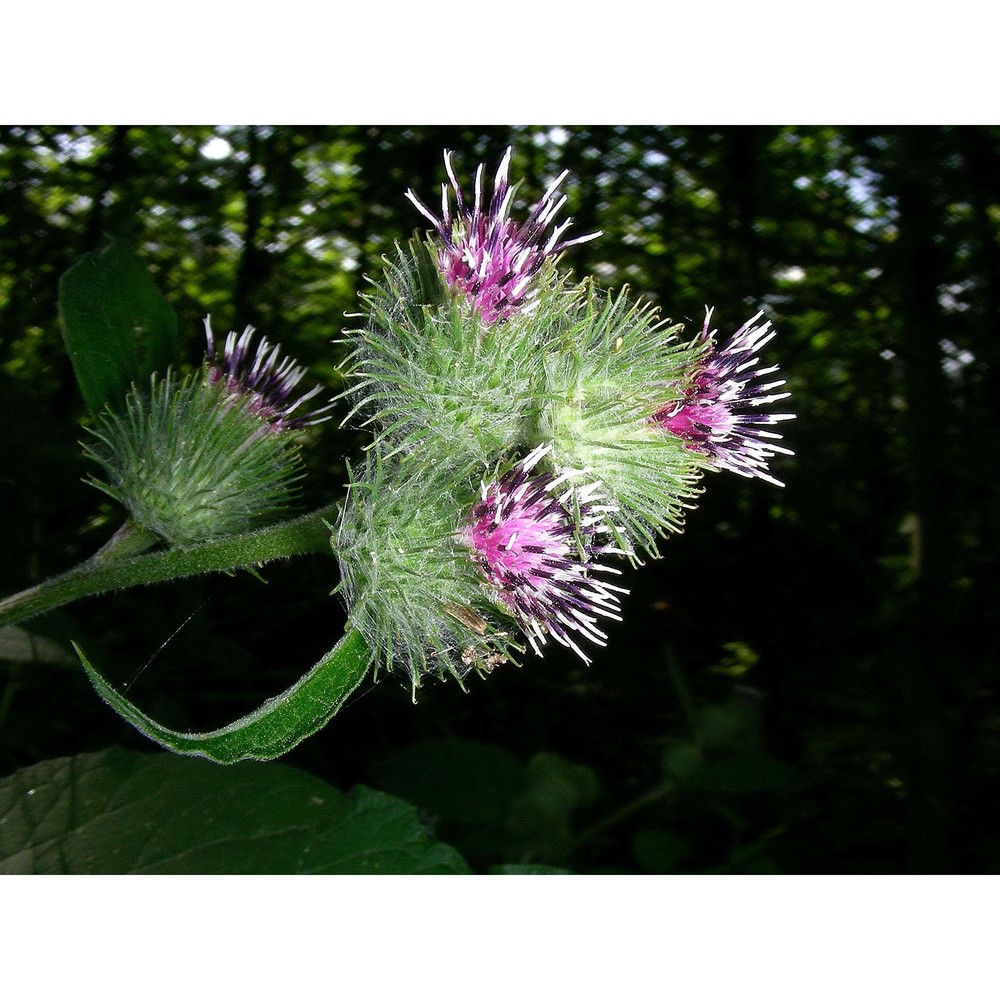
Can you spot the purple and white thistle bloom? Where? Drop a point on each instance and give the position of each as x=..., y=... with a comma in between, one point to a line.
x=263, y=379
x=719, y=414
x=486, y=255
x=539, y=559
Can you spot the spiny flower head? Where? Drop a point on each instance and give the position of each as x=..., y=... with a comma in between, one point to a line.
x=434, y=377
x=265, y=380
x=539, y=557
x=616, y=364
x=409, y=583
x=719, y=415
x=486, y=255
x=190, y=466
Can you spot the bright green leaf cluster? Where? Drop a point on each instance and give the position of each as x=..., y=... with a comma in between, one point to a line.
x=117, y=327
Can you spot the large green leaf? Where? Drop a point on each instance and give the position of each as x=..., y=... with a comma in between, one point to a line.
x=516, y=869
x=489, y=804
x=118, y=812
x=117, y=327
x=269, y=731
x=541, y=818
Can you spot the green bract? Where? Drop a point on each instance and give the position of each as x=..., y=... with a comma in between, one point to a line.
x=191, y=463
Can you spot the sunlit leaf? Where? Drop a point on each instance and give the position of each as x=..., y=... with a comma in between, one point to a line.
x=117, y=327
x=18, y=645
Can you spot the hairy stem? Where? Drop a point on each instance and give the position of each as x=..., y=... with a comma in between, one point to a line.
x=104, y=572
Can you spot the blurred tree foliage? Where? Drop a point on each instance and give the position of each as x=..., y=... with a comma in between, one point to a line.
x=805, y=683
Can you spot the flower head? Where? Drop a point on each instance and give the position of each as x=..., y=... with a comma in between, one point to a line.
x=486, y=255
x=409, y=583
x=539, y=557
x=189, y=465
x=719, y=412
x=265, y=380
x=602, y=385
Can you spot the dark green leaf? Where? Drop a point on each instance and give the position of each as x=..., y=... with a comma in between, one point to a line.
x=732, y=725
x=456, y=780
x=659, y=852
x=274, y=728
x=117, y=327
x=117, y=812
x=528, y=870
x=749, y=772
x=682, y=762
x=541, y=817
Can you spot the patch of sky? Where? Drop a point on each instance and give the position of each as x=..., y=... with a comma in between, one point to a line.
x=217, y=148
x=791, y=273
x=956, y=359
x=949, y=297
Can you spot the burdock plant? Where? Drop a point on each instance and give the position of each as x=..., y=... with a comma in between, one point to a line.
x=528, y=436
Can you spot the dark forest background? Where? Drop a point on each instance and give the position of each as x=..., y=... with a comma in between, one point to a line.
x=806, y=682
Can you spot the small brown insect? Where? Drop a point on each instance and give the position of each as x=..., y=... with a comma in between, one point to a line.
x=467, y=617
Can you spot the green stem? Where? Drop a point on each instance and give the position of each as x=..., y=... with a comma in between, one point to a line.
x=647, y=798
x=104, y=573
x=688, y=706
